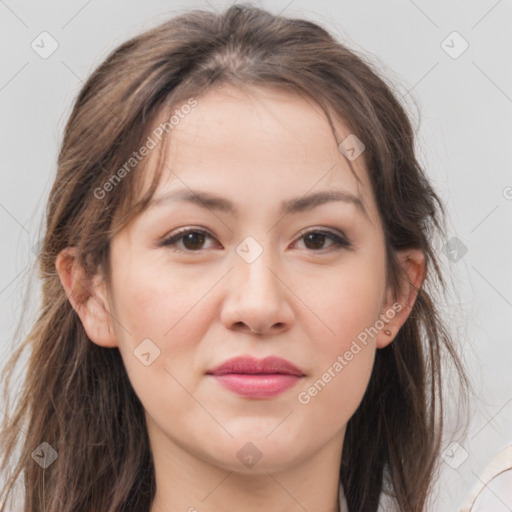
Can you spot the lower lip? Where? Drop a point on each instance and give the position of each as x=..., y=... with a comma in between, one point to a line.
x=257, y=386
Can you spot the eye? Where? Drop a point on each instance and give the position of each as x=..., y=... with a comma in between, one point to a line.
x=315, y=239
x=193, y=239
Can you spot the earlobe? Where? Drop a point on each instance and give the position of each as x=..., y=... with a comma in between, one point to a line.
x=88, y=297
x=397, y=310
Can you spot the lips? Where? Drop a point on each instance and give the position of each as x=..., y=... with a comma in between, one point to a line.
x=256, y=378
x=252, y=366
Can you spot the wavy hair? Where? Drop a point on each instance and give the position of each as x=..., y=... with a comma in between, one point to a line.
x=77, y=397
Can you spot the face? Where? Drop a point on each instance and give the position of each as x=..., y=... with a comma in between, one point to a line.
x=265, y=250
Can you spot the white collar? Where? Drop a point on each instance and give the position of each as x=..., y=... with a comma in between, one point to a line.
x=343, y=501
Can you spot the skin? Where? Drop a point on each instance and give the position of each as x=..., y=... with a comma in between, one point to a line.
x=308, y=299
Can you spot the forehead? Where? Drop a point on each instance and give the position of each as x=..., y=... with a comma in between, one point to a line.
x=237, y=138
x=236, y=123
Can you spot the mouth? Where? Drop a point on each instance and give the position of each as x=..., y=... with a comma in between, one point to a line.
x=254, y=378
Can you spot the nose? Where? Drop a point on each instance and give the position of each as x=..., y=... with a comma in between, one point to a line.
x=257, y=297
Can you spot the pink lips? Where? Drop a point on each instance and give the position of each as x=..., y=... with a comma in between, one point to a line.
x=257, y=378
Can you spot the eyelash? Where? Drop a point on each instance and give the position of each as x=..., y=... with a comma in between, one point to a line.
x=339, y=242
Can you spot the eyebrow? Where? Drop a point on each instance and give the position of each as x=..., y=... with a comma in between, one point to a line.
x=290, y=206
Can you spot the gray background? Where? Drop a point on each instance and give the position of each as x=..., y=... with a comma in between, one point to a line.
x=464, y=142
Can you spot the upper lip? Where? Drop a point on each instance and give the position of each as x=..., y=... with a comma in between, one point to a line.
x=251, y=365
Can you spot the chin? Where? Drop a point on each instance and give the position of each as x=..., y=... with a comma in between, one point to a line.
x=252, y=452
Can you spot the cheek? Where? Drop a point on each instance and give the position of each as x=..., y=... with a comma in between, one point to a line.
x=349, y=303
x=164, y=321
x=343, y=361
x=154, y=301
x=350, y=308
x=333, y=398
x=157, y=312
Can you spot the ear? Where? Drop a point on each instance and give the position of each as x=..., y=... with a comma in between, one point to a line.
x=396, y=310
x=88, y=296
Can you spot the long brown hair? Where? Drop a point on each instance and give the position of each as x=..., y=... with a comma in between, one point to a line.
x=77, y=397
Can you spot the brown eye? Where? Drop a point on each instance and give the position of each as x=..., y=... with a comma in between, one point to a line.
x=315, y=240
x=192, y=240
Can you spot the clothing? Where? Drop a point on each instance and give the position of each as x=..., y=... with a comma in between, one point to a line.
x=493, y=489
x=342, y=500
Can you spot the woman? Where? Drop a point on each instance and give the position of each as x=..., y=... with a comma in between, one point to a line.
x=198, y=348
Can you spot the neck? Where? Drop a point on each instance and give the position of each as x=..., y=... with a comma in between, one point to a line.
x=188, y=483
